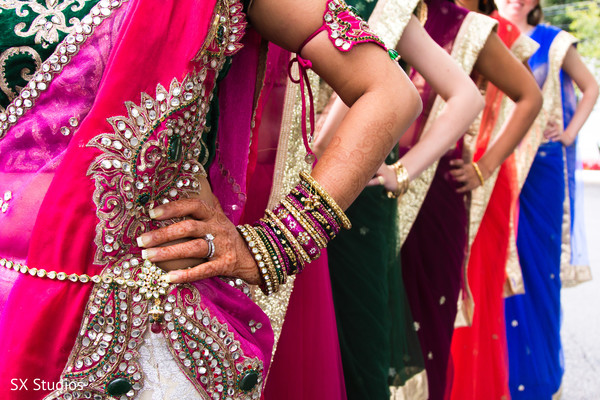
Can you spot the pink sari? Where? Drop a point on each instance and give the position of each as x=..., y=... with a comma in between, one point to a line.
x=308, y=348
x=55, y=152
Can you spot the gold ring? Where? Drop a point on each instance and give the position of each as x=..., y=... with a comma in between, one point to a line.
x=381, y=180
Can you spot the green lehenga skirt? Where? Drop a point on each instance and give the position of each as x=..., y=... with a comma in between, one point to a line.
x=378, y=341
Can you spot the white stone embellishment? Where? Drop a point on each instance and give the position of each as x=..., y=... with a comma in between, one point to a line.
x=62, y=56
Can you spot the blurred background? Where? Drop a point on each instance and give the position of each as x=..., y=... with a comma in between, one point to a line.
x=581, y=304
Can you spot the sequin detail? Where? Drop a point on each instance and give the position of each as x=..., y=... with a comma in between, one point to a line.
x=154, y=155
x=345, y=28
x=5, y=200
x=150, y=158
x=53, y=66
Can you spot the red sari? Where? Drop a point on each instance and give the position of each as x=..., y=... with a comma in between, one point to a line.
x=479, y=352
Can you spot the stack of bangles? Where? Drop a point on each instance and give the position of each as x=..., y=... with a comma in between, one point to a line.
x=402, y=178
x=293, y=234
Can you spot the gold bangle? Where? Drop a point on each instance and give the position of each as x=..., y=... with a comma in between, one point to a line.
x=402, y=179
x=341, y=216
x=301, y=255
x=319, y=240
x=478, y=172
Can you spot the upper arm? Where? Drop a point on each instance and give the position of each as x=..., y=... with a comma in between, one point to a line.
x=574, y=66
x=288, y=23
x=438, y=68
x=497, y=64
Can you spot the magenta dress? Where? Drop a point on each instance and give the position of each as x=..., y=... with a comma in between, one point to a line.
x=125, y=115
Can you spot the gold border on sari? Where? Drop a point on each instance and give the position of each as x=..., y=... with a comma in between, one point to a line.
x=525, y=154
x=288, y=164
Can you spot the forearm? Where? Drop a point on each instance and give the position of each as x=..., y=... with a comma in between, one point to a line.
x=366, y=135
x=334, y=118
x=584, y=108
x=451, y=83
x=448, y=127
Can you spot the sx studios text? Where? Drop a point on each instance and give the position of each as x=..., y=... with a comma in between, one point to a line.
x=40, y=384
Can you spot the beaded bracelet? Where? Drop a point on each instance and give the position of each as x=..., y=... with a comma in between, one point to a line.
x=309, y=220
x=339, y=213
x=247, y=233
x=273, y=230
x=273, y=251
x=300, y=230
x=326, y=220
x=293, y=233
x=301, y=254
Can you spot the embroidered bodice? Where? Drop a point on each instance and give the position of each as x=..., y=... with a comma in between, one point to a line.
x=152, y=151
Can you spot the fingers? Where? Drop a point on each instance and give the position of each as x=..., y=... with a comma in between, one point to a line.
x=180, y=251
x=457, y=163
x=202, y=271
x=374, y=182
x=457, y=173
x=189, y=228
x=467, y=187
x=199, y=209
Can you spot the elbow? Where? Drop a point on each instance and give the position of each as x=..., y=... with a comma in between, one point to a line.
x=478, y=103
x=538, y=101
x=405, y=106
x=412, y=103
x=532, y=101
x=473, y=100
x=592, y=91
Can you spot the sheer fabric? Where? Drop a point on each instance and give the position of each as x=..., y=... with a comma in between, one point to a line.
x=480, y=351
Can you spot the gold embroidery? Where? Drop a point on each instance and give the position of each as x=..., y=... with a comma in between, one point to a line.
x=53, y=66
x=389, y=19
x=551, y=111
x=138, y=170
x=50, y=19
x=524, y=47
x=414, y=388
x=152, y=155
x=26, y=73
x=471, y=38
x=469, y=41
x=288, y=164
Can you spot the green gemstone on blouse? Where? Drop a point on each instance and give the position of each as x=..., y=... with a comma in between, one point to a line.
x=248, y=381
x=118, y=387
x=220, y=33
x=175, y=148
x=393, y=54
x=143, y=199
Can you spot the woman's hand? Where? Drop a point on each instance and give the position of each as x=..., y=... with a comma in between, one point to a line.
x=231, y=256
x=553, y=132
x=385, y=176
x=466, y=175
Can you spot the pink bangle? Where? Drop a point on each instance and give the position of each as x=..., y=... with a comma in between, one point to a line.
x=302, y=236
x=335, y=226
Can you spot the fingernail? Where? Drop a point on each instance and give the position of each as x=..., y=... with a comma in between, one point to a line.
x=141, y=241
x=172, y=277
x=148, y=253
x=166, y=278
x=155, y=213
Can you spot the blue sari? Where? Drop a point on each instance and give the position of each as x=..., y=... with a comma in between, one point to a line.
x=533, y=320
